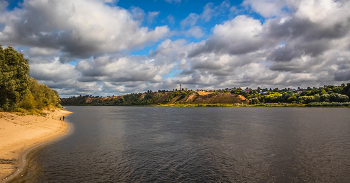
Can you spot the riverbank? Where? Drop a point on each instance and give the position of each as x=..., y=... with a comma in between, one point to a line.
x=19, y=133
x=320, y=105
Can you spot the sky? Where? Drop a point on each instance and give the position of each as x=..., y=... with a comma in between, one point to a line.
x=111, y=47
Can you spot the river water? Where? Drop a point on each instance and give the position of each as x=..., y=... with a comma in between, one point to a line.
x=164, y=144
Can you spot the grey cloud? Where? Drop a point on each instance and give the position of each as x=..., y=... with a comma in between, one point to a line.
x=122, y=69
x=3, y=5
x=289, y=52
x=187, y=72
x=343, y=75
x=296, y=27
x=85, y=78
x=285, y=53
x=190, y=20
x=289, y=67
x=218, y=45
x=238, y=36
x=303, y=37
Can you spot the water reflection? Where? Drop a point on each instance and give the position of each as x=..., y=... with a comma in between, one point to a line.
x=133, y=144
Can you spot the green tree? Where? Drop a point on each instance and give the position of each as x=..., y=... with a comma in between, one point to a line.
x=27, y=102
x=14, y=78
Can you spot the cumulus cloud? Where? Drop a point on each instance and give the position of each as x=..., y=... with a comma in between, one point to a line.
x=53, y=71
x=294, y=47
x=299, y=43
x=76, y=28
x=196, y=32
x=238, y=36
x=267, y=8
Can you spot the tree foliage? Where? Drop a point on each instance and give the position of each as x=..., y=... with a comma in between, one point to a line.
x=17, y=88
x=14, y=78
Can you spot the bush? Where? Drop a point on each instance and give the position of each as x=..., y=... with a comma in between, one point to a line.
x=28, y=102
x=21, y=110
x=254, y=101
x=46, y=102
x=307, y=99
x=328, y=104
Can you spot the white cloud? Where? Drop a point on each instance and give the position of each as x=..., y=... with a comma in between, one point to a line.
x=53, y=71
x=152, y=16
x=190, y=20
x=194, y=32
x=42, y=51
x=237, y=36
x=322, y=11
x=267, y=8
x=78, y=28
x=137, y=13
x=208, y=12
x=307, y=45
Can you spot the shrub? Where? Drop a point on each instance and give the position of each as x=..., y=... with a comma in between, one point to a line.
x=328, y=104
x=254, y=101
x=28, y=102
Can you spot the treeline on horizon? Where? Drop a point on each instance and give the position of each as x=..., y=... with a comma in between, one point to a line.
x=176, y=97
x=19, y=92
x=328, y=95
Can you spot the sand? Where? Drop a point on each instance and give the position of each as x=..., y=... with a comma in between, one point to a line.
x=20, y=133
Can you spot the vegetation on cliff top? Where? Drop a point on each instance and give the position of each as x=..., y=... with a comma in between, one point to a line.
x=326, y=96
x=160, y=98
x=18, y=91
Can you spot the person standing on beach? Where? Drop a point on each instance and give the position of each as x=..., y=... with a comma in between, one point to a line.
x=63, y=118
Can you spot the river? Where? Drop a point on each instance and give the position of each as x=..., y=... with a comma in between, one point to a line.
x=170, y=144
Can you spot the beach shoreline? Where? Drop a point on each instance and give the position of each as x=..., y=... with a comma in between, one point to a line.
x=19, y=135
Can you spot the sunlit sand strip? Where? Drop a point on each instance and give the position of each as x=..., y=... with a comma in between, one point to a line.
x=20, y=134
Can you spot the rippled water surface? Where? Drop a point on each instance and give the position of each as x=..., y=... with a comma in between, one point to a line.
x=149, y=144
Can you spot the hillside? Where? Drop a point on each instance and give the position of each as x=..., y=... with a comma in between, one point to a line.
x=157, y=98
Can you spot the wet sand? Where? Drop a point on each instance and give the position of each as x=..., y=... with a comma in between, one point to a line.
x=20, y=133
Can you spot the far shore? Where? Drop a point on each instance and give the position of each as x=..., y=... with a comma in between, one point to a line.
x=19, y=134
x=231, y=105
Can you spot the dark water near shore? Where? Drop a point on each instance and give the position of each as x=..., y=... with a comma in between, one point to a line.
x=148, y=144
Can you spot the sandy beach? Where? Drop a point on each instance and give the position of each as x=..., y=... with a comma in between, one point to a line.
x=19, y=133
